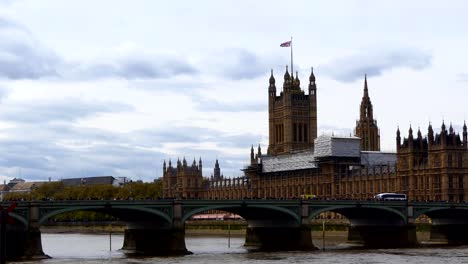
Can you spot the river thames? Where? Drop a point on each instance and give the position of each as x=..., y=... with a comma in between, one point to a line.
x=94, y=248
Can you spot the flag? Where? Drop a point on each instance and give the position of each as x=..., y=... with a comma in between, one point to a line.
x=286, y=44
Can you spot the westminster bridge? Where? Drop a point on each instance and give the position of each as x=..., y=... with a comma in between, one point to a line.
x=157, y=227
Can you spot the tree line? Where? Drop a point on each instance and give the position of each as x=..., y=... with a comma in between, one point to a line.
x=58, y=191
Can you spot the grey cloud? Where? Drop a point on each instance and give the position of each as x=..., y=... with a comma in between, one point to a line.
x=133, y=66
x=212, y=105
x=374, y=62
x=68, y=109
x=238, y=64
x=22, y=56
x=59, y=150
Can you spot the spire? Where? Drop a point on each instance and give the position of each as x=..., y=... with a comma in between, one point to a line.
x=259, y=150
x=298, y=83
x=286, y=74
x=443, y=126
x=451, y=128
x=419, y=133
x=366, y=91
x=366, y=104
x=272, y=79
x=410, y=132
x=199, y=162
x=465, y=135
x=312, y=76
x=252, y=155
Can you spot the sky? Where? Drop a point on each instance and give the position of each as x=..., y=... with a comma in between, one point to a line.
x=91, y=88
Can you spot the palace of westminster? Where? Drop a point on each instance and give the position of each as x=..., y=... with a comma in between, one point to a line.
x=297, y=162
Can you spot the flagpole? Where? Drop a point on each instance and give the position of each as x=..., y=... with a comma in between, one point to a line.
x=292, y=70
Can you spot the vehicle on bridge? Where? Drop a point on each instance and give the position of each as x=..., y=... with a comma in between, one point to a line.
x=308, y=196
x=391, y=197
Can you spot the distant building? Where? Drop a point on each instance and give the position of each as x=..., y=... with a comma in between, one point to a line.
x=12, y=183
x=25, y=186
x=182, y=181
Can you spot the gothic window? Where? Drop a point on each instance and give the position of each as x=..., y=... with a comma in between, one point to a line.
x=460, y=182
x=305, y=133
x=449, y=163
x=295, y=132
x=437, y=182
x=300, y=132
x=460, y=160
x=436, y=160
x=450, y=181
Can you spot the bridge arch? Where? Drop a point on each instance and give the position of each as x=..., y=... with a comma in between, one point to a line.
x=434, y=212
x=19, y=218
x=245, y=211
x=347, y=211
x=114, y=211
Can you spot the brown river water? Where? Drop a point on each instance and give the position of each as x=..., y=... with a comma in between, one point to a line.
x=94, y=248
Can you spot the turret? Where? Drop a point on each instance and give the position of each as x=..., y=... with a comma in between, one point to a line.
x=398, y=138
x=430, y=135
x=297, y=82
x=272, y=87
x=443, y=134
x=465, y=134
x=287, y=79
x=312, y=85
x=217, y=171
x=259, y=152
x=200, y=166
x=164, y=168
x=252, y=155
x=410, y=137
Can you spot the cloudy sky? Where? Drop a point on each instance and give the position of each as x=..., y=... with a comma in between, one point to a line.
x=115, y=87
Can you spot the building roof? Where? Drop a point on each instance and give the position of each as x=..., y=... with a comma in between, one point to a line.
x=4, y=188
x=374, y=158
x=331, y=146
x=296, y=161
x=25, y=186
x=88, y=181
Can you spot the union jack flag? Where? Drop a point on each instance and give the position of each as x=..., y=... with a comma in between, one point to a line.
x=286, y=44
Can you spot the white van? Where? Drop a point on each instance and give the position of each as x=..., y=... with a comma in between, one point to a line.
x=391, y=197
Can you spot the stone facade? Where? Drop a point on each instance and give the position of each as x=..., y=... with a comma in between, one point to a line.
x=431, y=168
x=292, y=115
x=434, y=167
x=182, y=181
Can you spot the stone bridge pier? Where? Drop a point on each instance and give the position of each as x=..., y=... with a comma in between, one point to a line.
x=449, y=225
x=24, y=239
x=280, y=234
x=377, y=228
x=156, y=238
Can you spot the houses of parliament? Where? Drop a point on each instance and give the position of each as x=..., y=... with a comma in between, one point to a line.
x=297, y=162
